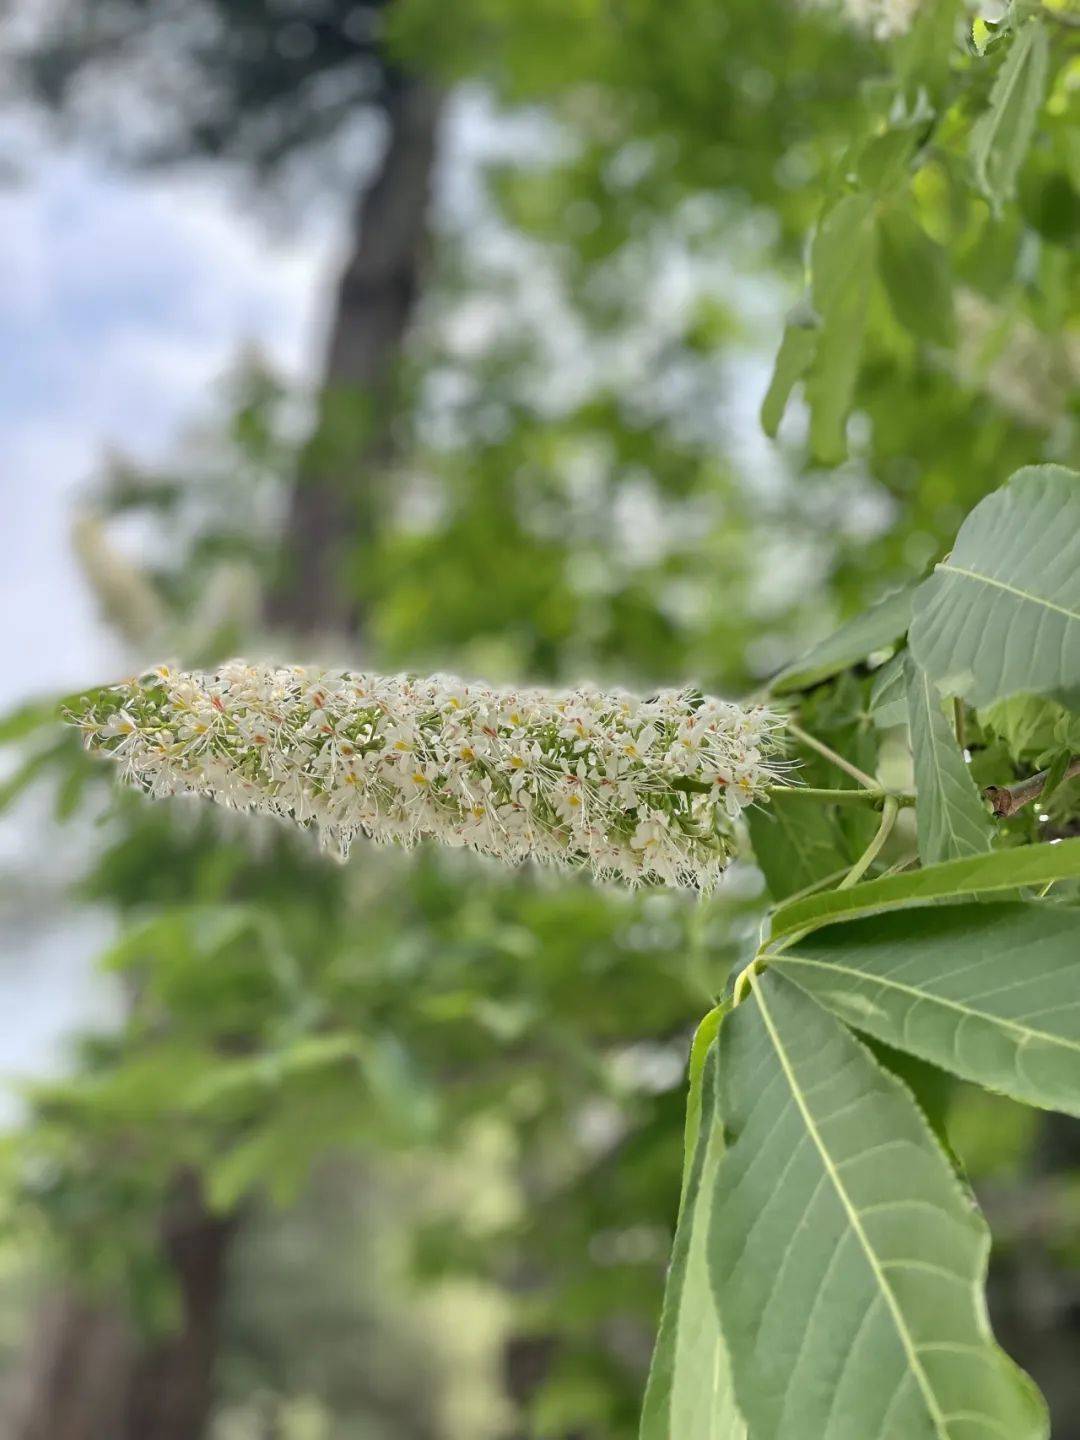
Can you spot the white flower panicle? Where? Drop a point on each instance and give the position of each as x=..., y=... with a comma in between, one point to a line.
x=634, y=790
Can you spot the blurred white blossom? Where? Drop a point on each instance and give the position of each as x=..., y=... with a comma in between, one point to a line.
x=635, y=790
x=883, y=18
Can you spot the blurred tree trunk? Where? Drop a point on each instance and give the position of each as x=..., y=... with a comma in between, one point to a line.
x=90, y=1376
x=1034, y=1290
x=335, y=501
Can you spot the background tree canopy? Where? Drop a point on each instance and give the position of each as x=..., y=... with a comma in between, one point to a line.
x=394, y=1149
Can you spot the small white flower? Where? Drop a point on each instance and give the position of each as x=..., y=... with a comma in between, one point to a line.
x=569, y=802
x=650, y=832
x=119, y=724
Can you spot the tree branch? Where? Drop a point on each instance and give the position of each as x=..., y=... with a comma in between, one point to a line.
x=1008, y=799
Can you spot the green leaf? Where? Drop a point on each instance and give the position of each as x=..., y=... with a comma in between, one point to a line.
x=1055, y=774
x=881, y=162
x=704, y=1036
x=950, y=815
x=688, y=1395
x=1001, y=616
x=888, y=695
x=28, y=771
x=17, y=724
x=932, y=1088
x=872, y=630
x=841, y=273
x=847, y=1262
x=915, y=272
x=796, y=844
x=923, y=53
x=989, y=992
x=1000, y=137
x=976, y=875
x=793, y=359
x=1030, y=726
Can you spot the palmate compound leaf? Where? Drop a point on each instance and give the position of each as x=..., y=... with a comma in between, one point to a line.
x=847, y=1261
x=1001, y=615
x=990, y=992
x=689, y=1394
x=951, y=818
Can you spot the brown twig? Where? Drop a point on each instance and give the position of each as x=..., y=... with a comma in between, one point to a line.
x=1008, y=799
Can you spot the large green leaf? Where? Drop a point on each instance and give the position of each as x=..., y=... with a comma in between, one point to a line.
x=1000, y=137
x=976, y=875
x=848, y=1263
x=873, y=630
x=950, y=815
x=990, y=992
x=1001, y=616
x=841, y=273
x=689, y=1394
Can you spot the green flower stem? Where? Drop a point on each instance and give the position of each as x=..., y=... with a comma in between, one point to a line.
x=889, y=812
x=822, y=749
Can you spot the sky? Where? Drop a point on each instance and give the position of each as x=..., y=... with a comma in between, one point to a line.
x=122, y=300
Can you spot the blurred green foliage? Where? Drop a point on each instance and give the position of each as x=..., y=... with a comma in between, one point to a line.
x=574, y=494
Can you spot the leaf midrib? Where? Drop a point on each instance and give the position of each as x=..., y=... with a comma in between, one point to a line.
x=1026, y=1031
x=906, y=1339
x=950, y=569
